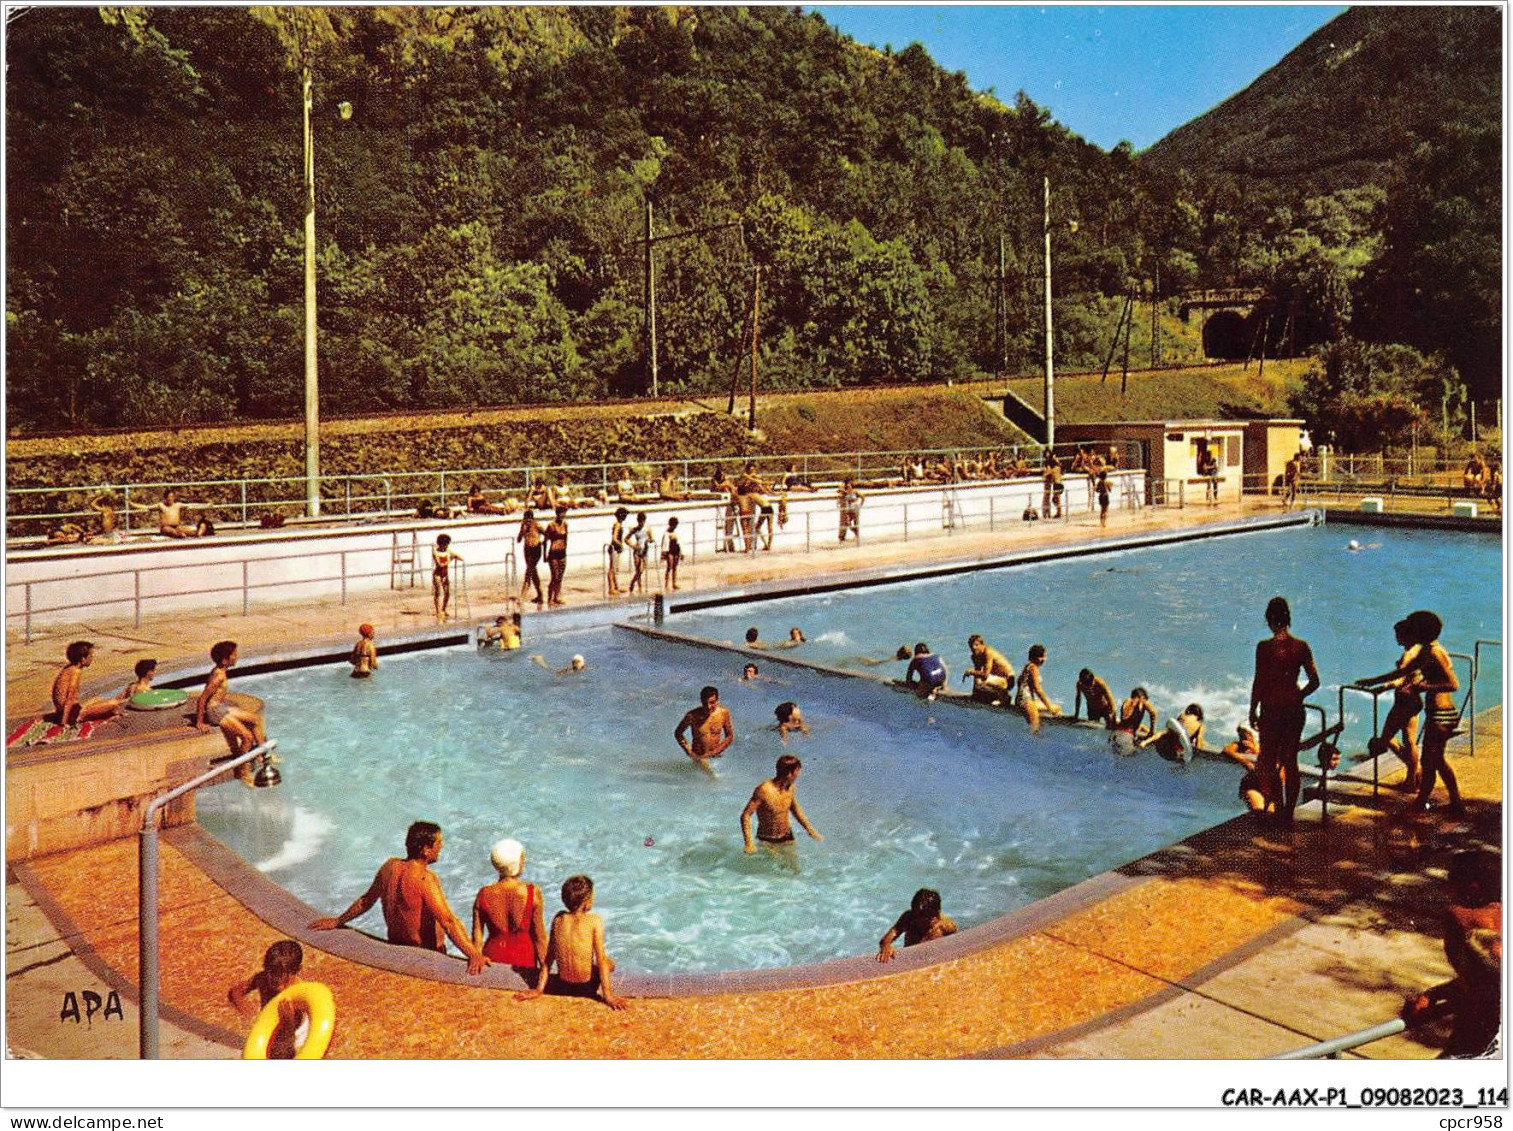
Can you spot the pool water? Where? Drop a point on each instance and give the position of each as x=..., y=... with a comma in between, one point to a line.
x=1181, y=620
x=584, y=771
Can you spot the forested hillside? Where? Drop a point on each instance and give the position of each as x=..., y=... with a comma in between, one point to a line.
x=1384, y=127
x=483, y=184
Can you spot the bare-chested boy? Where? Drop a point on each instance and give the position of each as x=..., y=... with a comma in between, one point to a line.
x=772, y=802
x=992, y=674
x=415, y=911
x=790, y=720
x=243, y=729
x=67, y=710
x=710, y=726
x=576, y=948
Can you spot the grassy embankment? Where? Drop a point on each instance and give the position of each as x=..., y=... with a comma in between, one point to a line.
x=640, y=435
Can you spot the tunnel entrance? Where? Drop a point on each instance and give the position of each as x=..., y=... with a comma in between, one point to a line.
x=1227, y=335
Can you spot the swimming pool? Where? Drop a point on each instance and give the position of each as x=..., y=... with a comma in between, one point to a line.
x=584, y=771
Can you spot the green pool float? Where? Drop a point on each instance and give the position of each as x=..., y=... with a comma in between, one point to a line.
x=158, y=699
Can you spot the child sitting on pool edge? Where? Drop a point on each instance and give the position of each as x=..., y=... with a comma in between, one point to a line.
x=576, y=948
x=921, y=923
x=145, y=670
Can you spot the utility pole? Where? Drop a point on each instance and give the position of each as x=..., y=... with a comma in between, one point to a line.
x=312, y=382
x=651, y=307
x=1001, y=309
x=756, y=317
x=1050, y=366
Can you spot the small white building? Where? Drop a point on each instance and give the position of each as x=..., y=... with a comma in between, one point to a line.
x=1172, y=449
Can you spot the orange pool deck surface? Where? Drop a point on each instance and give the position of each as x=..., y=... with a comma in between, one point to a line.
x=1234, y=944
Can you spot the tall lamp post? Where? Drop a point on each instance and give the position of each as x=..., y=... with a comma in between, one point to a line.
x=1050, y=361
x=312, y=380
x=312, y=377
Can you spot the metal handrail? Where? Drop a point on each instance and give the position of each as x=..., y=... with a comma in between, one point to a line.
x=1475, y=672
x=701, y=525
x=1376, y=691
x=147, y=896
x=1332, y=1048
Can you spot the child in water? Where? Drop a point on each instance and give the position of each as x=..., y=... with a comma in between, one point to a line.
x=364, y=656
x=921, y=923
x=504, y=635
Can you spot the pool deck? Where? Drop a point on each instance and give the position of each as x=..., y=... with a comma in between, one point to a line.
x=1233, y=944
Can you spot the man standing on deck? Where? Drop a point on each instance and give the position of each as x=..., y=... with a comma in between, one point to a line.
x=710, y=727
x=414, y=908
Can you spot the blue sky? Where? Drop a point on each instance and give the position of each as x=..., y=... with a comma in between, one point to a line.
x=1108, y=73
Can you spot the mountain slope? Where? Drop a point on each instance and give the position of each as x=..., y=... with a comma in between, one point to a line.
x=1350, y=100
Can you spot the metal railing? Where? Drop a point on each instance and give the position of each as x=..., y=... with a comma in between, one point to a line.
x=33, y=511
x=147, y=895
x=246, y=588
x=701, y=530
x=1331, y=1049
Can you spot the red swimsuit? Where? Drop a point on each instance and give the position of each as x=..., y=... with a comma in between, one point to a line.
x=511, y=946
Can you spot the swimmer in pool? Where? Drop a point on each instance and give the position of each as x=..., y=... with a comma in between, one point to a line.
x=795, y=638
x=921, y=923
x=504, y=635
x=754, y=638
x=750, y=672
x=364, y=658
x=790, y=719
x=1246, y=751
x=1131, y=725
x=1032, y=699
x=1168, y=745
x=991, y=673
x=710, y=728
x=1100, y=700
x=901, y=654
x=575, y=665
x=772, y=802
x=926, y=673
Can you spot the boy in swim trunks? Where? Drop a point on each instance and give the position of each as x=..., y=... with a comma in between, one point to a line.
x=364, y=658
x=576, y=948
x=242, y=729
x=672, y=554
x=772, y=802
x=710, y=728
x=921, y=923
x=790, y=719
x=442, y=558
x=145, y=670
x=992, y=674
x=281, y=966
x=1168, y=745
x=67, y=710
x=1100, y=700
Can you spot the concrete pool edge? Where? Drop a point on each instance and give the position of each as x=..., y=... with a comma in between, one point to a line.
x=888, y=575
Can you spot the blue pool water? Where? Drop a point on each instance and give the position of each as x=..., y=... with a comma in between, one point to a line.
x=1181, y=620
x=584, y=771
